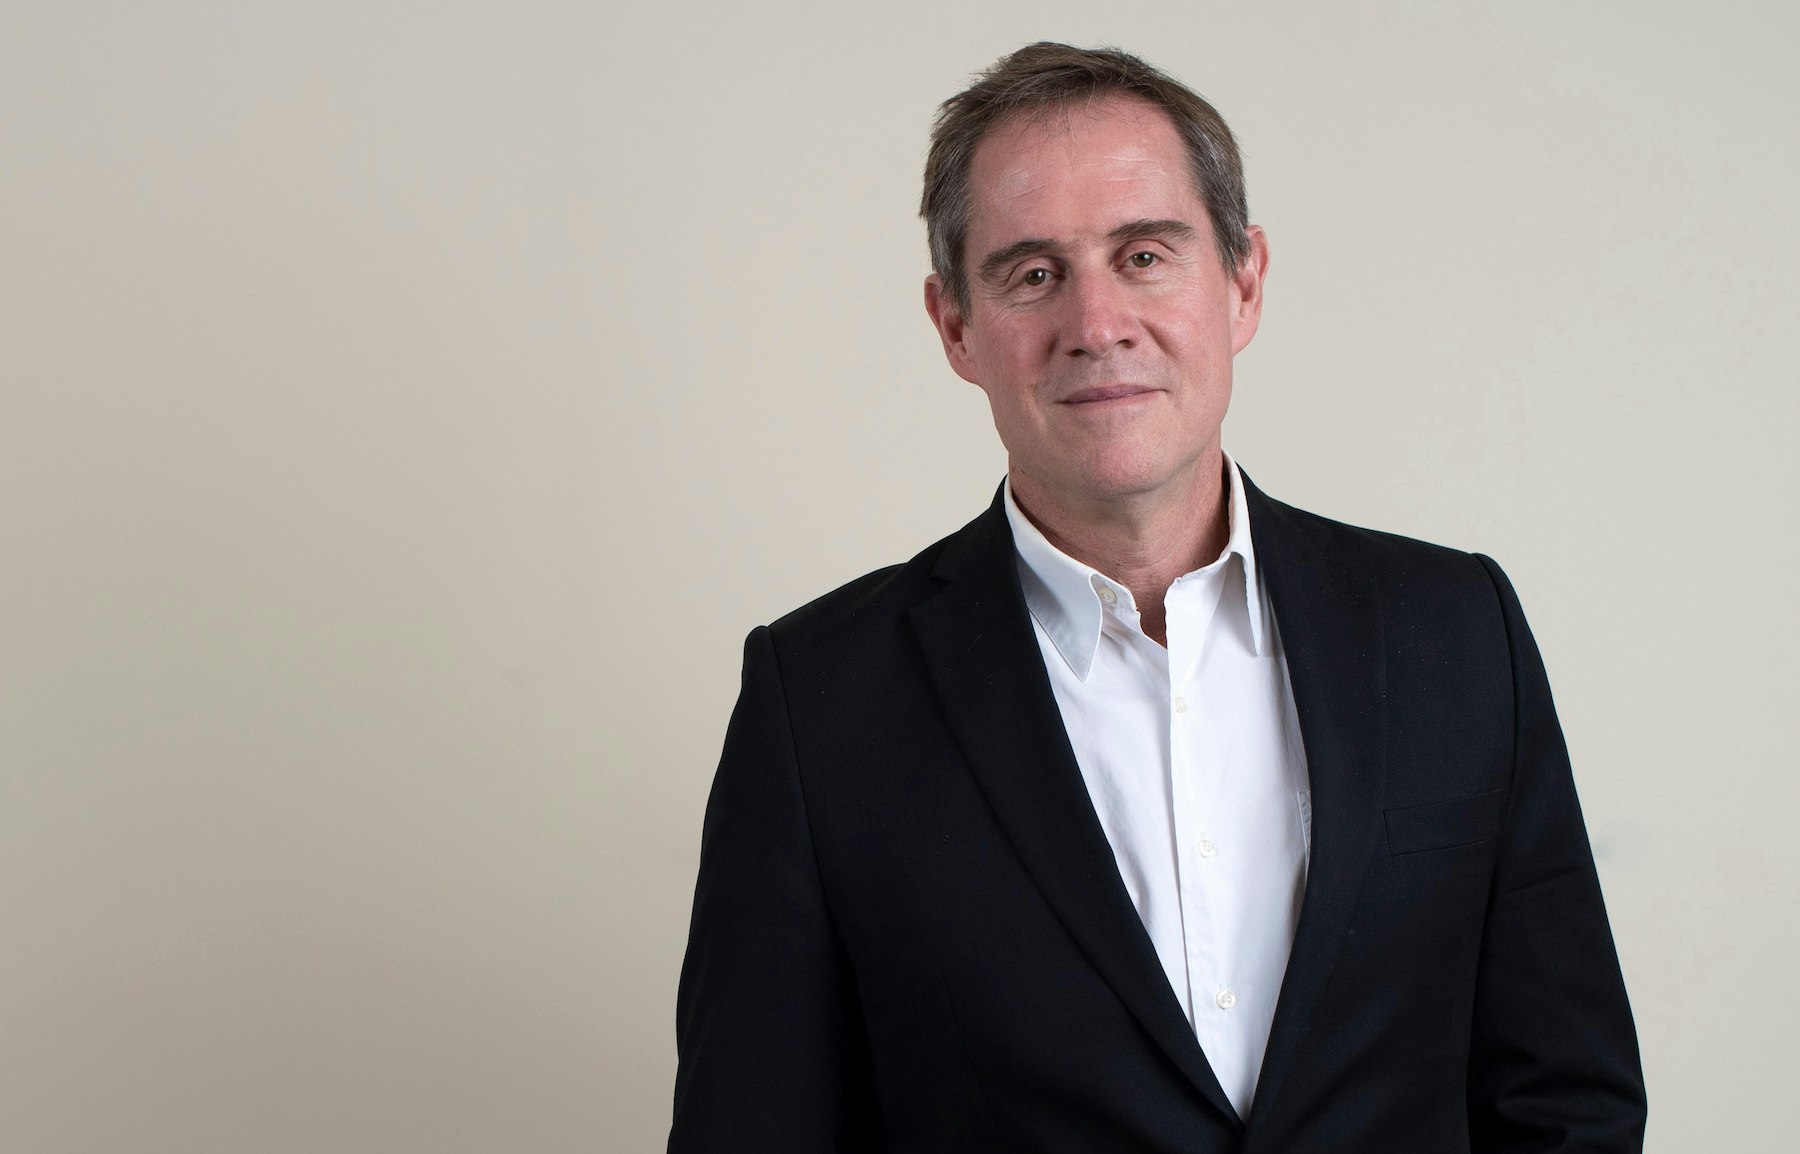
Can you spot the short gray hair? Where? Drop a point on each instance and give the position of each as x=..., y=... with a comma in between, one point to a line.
x=1045, y=77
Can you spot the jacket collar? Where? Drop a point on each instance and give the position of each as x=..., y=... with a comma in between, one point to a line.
x=989, y=673
x=977, y=639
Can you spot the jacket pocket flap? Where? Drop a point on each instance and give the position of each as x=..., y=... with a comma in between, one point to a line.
x=1444, y=824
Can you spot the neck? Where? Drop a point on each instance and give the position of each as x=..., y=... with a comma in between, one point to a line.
x=1144, y=541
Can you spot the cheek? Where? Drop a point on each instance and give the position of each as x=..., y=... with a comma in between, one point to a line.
x=1008, y=373
x=1204, y=353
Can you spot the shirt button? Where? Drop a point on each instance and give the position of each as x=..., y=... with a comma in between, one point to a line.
x=1108, y=596
x=1226, y=999
x=1207, y=848
x=1181, y=705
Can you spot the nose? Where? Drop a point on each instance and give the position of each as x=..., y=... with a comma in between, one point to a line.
x=1098, y=316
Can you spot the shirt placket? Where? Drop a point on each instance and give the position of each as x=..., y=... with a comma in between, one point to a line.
x=1202, y=874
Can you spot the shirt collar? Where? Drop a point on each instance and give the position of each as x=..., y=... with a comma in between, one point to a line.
x=1068, y=599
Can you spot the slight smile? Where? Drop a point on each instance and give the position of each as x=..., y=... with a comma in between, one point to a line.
x=1101, y=394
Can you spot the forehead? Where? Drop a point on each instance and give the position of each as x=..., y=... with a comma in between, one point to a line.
x=1090, y=164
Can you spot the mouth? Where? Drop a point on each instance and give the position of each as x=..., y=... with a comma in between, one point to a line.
x=1101, y=394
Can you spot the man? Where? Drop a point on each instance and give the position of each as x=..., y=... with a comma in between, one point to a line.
x=1145, y=813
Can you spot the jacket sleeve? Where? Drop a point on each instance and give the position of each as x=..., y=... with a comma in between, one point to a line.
x=772, y=1055
x=1553, y=1056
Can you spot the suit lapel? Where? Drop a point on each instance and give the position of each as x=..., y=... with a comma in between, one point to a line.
x=1330, y=624
x=978, y=642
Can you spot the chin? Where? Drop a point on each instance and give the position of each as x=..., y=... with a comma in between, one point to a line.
x=1117, y=484
x=1112, y=472
x=1125, y=472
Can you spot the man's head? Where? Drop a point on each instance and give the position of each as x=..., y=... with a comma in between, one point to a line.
x=1046, y=79
x=1098, y=308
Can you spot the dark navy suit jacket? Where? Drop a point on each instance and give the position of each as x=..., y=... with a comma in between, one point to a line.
x=909, y=933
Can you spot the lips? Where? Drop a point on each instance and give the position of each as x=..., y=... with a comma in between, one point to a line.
x=1099, y=393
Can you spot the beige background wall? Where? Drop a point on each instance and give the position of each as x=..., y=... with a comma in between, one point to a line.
x=405, y=409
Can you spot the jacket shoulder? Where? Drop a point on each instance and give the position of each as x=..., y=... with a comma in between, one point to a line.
x=1383, y=561
x=873, y=602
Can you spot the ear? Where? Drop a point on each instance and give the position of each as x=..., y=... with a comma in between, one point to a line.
x=952, y=329
x=1247, y=287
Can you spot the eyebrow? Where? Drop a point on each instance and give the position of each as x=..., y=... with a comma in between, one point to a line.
x=996, y=262
x=1147, y=229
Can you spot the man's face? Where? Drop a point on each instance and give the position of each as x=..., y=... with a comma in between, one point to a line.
x=1101, y=323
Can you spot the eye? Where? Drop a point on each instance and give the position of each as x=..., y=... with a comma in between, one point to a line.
x=1141, y=259
x=1035, y=278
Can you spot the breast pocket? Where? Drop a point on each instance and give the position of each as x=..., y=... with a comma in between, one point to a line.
x=1444, y=824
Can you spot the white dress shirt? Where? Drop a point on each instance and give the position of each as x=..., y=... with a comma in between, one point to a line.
x=1192, y=757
